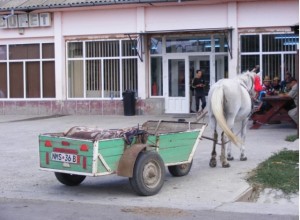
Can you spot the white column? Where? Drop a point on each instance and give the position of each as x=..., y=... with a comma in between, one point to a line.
x=232, y=22
x=142, y=78
x=59, y=50
x=212, y=63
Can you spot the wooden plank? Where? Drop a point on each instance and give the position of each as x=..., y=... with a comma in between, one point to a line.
x=111, y=143
x=177, y=147
x=112, y=162
x=163, y=127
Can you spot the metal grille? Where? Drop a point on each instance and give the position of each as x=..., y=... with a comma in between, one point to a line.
x=129, y=48
x=102, y=49
x=279, y=42
x=290, y=62
x=75, y=49
x=93, y=78
x=250, y=43
x=275, y=53
x=271, y=65
x=130, y=76
x=111, y=78
x=106, y=73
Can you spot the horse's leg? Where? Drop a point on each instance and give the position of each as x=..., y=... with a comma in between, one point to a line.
x=223, y=159
x=230, y=123
x=243, y=136
x=213, y=161
x=229, y=156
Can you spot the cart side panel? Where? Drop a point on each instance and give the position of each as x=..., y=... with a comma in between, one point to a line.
x=53, y=148
x=110, y=152
x=151, y=140
x=177, y=147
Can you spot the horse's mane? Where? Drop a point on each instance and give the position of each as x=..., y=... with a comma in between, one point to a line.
x=245, y=75
x=247, y=78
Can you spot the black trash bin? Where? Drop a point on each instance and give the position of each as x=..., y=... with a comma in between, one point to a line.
x=129, y=102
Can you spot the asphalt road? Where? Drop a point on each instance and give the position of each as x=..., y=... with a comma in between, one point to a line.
x=29, y=193
x=16, y=209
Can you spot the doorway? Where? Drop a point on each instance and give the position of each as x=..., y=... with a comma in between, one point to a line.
x=198, y=63
x=178, y=75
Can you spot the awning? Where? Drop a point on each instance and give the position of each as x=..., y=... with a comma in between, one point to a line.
x=226, y=32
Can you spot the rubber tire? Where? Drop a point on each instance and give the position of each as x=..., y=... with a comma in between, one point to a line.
x=180, y=170
x=69, y=179
x=148, y=163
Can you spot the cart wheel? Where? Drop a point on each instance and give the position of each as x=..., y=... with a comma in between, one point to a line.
x=148, y=174
x=180, y=170
x=69, y=179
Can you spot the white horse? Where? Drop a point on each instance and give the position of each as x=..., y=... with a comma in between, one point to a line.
x=229, y=101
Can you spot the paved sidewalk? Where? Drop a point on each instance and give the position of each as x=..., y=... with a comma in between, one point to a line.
x=204, y=188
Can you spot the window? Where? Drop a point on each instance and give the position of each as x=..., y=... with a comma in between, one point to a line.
x=188, y=44
x=250, y=43
x=28, y=71
x=156, y=76
x=3, y=80
x=194, y=45
x=276, y=55
x=156, y=68
x=221, y=44
x=249, y=61
x=279, y=42
x=156, y=45
x=101, y=69
x=3, y=52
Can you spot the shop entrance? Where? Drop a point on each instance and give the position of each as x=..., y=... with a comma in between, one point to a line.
x=176, y=77
x=179, y=72
x=198, y=63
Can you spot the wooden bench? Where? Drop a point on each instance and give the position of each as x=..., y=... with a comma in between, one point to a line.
x=276, y=112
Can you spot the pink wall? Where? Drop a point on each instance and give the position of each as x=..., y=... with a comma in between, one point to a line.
x=102, y=20
x=94, y=22
x=186, y=17
x=264, y=14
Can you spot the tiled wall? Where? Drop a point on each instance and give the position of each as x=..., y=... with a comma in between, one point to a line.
x=79, y=107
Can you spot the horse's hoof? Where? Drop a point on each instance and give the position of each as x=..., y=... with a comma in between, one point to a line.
x=225, y=165
x=230, y=158
x=243, y=158
x=213, y=163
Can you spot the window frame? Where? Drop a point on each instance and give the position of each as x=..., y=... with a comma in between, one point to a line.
x=40, y=60
x=262, y=54
x=84, y=58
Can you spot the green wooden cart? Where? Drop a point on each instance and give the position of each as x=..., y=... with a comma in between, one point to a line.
x=140, y=153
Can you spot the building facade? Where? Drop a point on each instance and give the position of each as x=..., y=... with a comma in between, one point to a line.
x=73, y=57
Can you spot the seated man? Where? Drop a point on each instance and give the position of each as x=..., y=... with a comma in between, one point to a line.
x=293, y=93
x=267, y=90
x=276, y=85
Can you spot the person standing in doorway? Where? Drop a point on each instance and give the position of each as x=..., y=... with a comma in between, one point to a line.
x=199, y=85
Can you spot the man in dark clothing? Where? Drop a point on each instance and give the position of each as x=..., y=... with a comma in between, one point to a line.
x=287, y=79
x=199, y=85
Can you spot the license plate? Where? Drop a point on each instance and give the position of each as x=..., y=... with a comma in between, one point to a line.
x=62, y=157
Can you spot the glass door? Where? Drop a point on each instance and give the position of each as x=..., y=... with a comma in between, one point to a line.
x=199, y=63
x=177, y=79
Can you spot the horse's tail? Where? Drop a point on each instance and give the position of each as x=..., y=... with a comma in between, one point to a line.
x=217, y=100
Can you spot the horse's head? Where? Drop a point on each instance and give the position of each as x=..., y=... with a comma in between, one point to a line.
x=248, y=81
